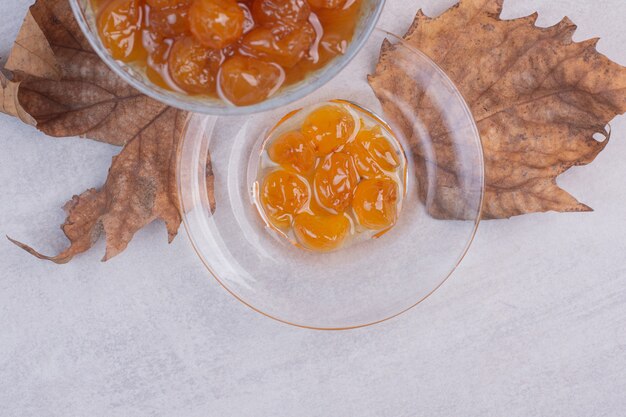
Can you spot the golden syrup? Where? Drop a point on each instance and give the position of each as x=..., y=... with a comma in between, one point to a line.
x=241, y=51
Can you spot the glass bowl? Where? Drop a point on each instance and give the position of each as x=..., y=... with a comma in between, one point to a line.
x=137, y=78
x=373, y=280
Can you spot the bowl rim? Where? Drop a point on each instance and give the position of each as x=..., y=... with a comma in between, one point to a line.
x=328, y=72
x=476, y=220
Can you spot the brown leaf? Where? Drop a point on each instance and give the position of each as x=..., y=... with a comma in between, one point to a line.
x=140, y=188
x=32, y=54
x=68, y=91
x=67, y=88
x=537, y=97
x=9, y=104
x=82, y=227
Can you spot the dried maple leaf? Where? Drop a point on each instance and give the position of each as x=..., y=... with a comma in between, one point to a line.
x=140, y=188
x=9, y=103
x=537, y=97
x=66, y=90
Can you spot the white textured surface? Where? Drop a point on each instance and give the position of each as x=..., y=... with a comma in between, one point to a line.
x=532, y=324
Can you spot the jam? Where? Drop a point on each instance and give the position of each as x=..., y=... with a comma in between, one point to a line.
x=329, y=176
x=242, y=52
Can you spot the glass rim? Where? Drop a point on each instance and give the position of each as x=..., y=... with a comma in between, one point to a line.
x=333, y=68
x=476, y=221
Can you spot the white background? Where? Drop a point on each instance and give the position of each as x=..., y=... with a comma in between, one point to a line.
x=532, y=324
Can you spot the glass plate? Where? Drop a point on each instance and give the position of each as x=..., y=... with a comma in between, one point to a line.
x=371, y=281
